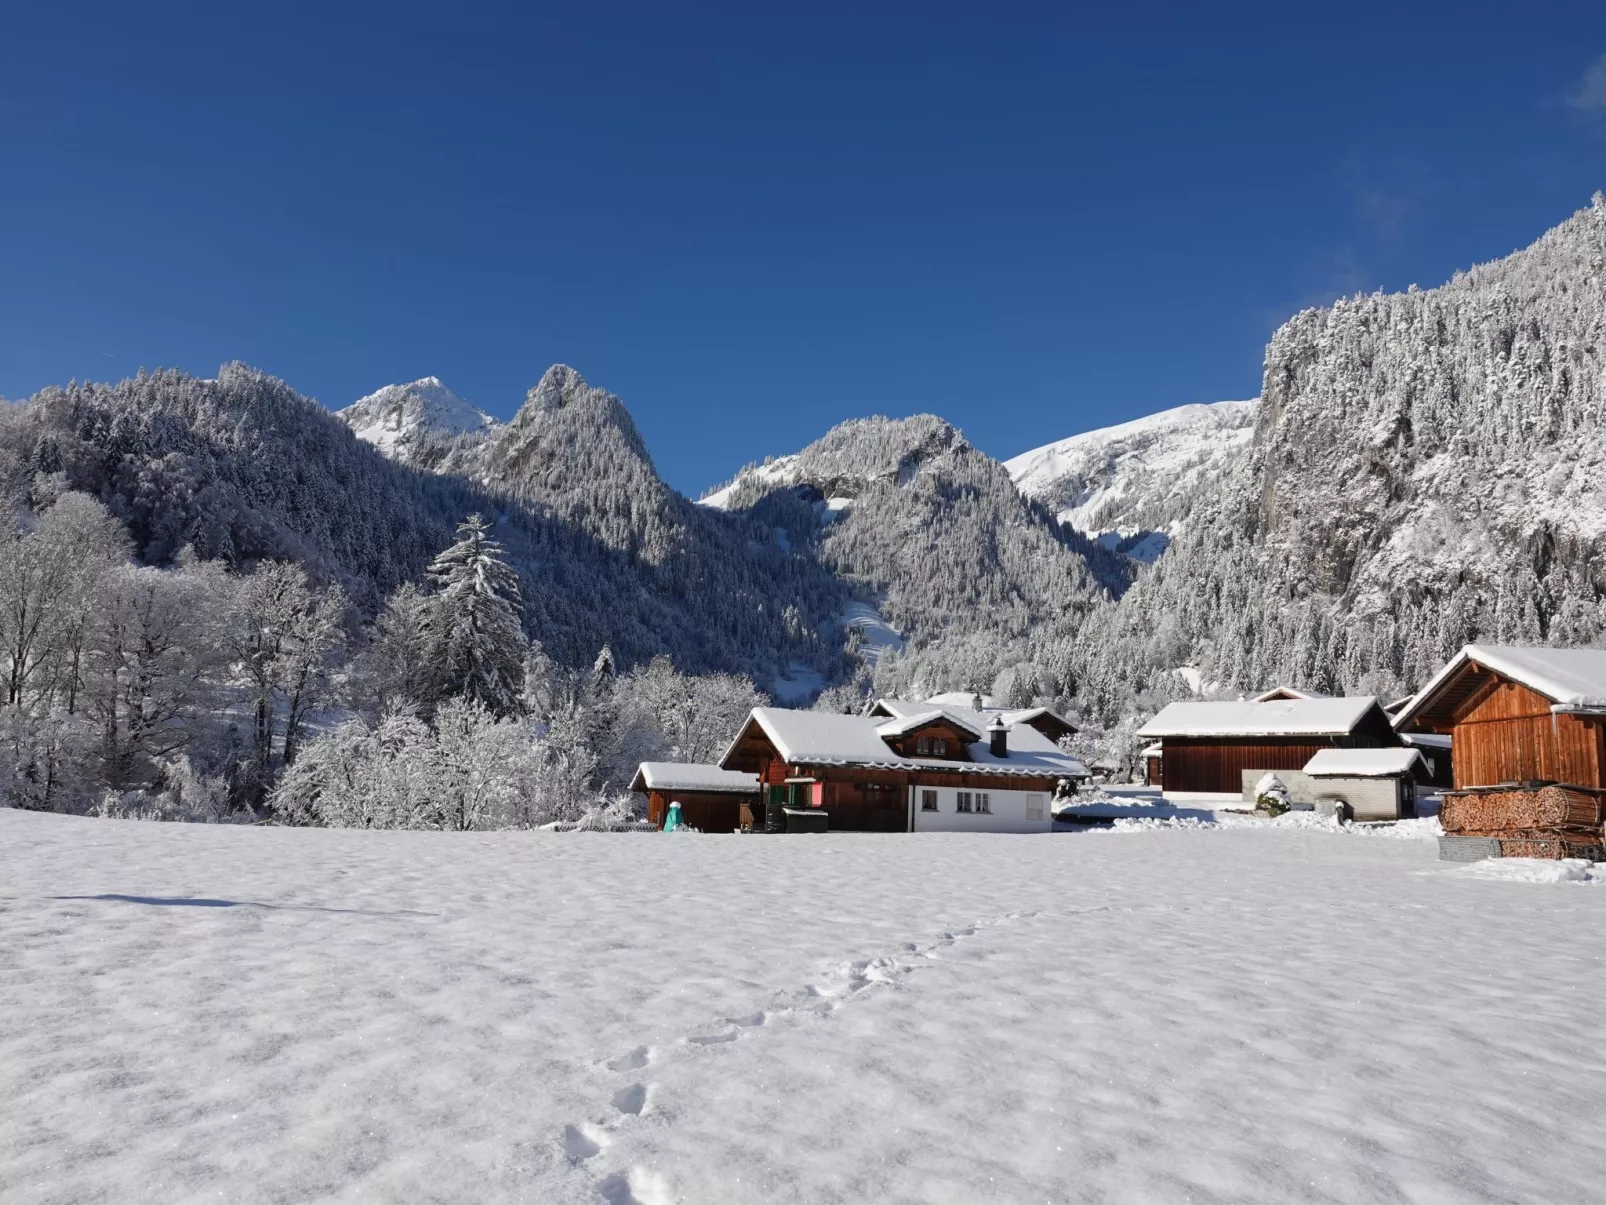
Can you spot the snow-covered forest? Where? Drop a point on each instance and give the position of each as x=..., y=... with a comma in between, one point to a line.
x=195, y=692
x=222, y=601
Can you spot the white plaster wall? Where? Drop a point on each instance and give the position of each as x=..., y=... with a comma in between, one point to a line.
x=1008, y=814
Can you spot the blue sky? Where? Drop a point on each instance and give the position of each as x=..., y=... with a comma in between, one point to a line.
x=754, y=221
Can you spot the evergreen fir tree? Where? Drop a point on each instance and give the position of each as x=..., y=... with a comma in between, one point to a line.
x=475, y=635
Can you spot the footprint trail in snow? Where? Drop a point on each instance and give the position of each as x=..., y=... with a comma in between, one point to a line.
x=584, y=1141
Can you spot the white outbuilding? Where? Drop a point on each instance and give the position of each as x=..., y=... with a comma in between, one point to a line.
x=1370, y=784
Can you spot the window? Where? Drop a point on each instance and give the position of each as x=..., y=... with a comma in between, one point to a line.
x=939, y=746
x=982, y=803
x=964, y=802
x=928, y=801
x=1034, y=807
x=923, y=745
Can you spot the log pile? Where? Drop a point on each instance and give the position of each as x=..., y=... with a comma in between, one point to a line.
x=1553, y=820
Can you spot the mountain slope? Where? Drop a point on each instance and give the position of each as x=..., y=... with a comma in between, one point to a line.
x=934, y=534
x=1133, y=485
x=1425, y=472
x=241, y=468
x=416, y=423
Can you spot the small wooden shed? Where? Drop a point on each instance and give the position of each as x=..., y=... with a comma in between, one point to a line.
x=1153, y=764
x=1375, y=784
x=710, y=798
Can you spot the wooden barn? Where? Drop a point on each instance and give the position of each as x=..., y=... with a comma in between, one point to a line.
x=1518, y=714
x=933, y=770
x=710, y=798
x=1208, y=748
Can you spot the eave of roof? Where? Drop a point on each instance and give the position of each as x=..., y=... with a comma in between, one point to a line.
x=1582, y=696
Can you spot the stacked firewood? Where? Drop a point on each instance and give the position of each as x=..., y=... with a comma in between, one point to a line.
x=1539, y=821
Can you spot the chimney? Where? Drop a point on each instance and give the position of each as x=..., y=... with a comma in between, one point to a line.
x=976, y=701
x=998, y=737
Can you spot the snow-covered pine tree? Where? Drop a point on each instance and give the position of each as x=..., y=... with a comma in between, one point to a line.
x=476, y=639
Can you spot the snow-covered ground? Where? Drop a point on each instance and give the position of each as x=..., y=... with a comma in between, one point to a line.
x=1253, y=1013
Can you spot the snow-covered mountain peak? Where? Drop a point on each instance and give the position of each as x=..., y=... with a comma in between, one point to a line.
x=396, y=418
x=1133, y=485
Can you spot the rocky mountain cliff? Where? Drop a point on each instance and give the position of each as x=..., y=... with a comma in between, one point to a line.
x=1425, y=471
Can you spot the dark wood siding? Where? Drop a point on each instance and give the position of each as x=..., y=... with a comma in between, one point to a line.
x=1216, y=764
x=1510, y=735
x=710, y=812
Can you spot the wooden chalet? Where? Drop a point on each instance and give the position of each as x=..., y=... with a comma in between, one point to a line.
x=937, y=769
x=1044, y=719
x=1518, y=714
x=1208, y=748
x=711, y=799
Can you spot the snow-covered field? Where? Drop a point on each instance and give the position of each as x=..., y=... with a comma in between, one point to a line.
x=1232, y=1014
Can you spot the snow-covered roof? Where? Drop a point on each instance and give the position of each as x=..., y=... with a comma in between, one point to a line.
x=1362, y=763
x=920, y=719
x=961, y=717
x=1025, y=715
x=692, y=776
x=962, y=713
x=963, y=698
x=822, y=738
x=1284, y=717
x=1572, y=679
x=1426, y=740
x=1154, y=750
x=1288, y=692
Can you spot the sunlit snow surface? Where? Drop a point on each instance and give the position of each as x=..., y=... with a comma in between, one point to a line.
x=1266, y=1014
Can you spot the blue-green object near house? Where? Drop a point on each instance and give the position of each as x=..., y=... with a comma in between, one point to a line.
x=673, y=820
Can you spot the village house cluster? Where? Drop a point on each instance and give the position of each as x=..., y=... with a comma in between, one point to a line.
x=1497, y=723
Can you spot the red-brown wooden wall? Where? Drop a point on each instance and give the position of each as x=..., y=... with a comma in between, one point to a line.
x=1510, y=735
x=1216, y=764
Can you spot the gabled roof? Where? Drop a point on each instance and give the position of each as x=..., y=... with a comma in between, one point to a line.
x=1285, y=717
x=935, y=716
x=692, y=776
x=962, y=713
x=963, y=698
x=820, y=738
x=1288, y=692
x=1025, y=715
x=1572, y=679
x=1363, y=763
